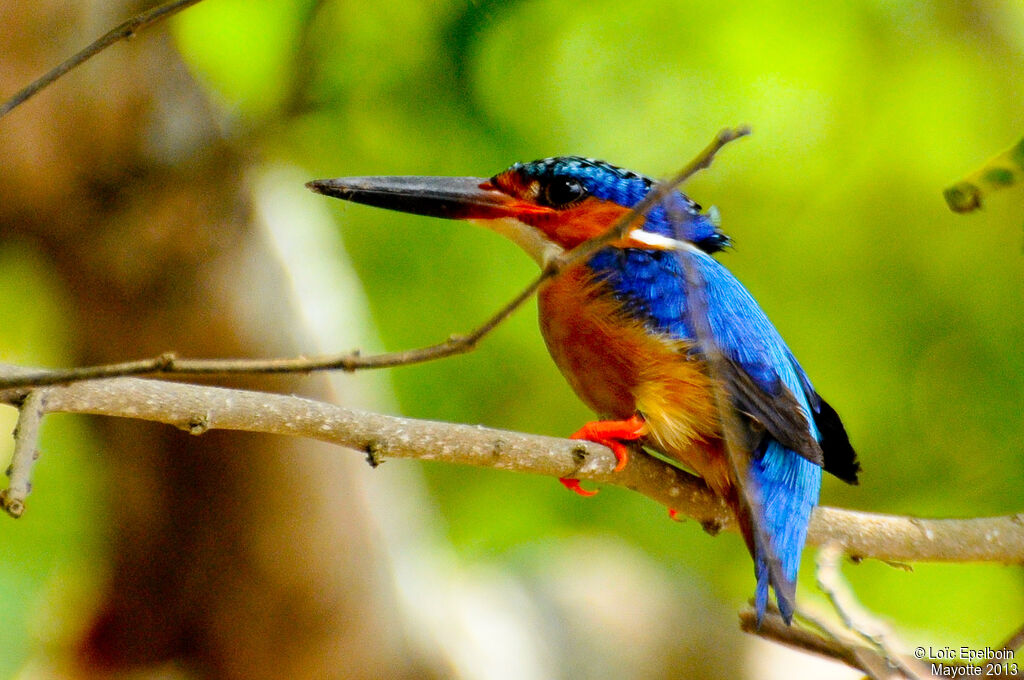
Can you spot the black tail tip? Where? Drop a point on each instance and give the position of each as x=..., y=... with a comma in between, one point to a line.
x=840, y=458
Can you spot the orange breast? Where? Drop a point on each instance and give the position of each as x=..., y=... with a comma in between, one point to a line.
x=619, y=367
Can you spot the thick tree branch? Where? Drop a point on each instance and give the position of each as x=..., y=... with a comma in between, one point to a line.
x=197, y=409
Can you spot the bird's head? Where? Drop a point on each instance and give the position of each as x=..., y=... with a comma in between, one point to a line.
x=545, y=206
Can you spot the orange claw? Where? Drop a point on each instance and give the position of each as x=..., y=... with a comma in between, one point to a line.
x=574, y=486
x=673, y=515
x=620, y=451
x=612, y=433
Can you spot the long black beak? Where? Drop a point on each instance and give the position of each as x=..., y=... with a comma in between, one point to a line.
x=459, y=198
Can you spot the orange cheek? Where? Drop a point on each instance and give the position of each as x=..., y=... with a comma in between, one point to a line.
x=571, y=227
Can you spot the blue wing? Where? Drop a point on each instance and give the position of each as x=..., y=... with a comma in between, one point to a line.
x=785, y=468
x=764, y=379
x=782, y=397
x=765, y=383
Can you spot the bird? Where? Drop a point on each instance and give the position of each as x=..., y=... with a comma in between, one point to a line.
x=620, y=324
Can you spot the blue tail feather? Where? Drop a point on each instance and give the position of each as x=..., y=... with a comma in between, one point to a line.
x=788, y=487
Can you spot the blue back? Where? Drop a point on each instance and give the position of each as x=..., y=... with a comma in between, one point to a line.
x=651, y=284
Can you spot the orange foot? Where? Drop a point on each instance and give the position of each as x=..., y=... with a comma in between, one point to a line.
x=610, y=433
x=574, y=486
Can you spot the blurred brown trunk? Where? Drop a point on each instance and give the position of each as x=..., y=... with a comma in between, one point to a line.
x=237, y=556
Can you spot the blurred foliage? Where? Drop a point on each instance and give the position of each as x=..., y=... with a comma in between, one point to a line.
x=907, y=317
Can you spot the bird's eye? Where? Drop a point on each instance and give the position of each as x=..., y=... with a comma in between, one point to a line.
x=560, y=192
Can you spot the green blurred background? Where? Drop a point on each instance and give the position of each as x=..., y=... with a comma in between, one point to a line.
x=906, y=316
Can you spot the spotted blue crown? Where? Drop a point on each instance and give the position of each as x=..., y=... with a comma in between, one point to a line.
x=678, y=216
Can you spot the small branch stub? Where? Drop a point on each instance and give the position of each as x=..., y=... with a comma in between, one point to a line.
x=26, y=452
x=198, y=424
x=374, y=454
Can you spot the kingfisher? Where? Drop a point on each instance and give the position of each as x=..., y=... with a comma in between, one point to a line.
x=619, y=326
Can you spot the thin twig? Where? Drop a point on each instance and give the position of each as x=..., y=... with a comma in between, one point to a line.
x=26, y=451
x=197, y=409
x=1015, y=641
x=123, y=31
x=855, y=617
x=773, y=628
x=839, y=646
x=168, y=364
x=868, y=659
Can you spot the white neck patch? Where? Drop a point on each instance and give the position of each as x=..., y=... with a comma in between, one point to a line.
x=526, y=237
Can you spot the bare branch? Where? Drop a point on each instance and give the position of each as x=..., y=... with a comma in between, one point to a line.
x=881, y=660
x=26, y=451
x=197, y=409
x=858, y=619
x=168, y=364
x=1015, y=641
x=122, y=32
x=841, y=646
x=773, y=628
x=895, y=538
